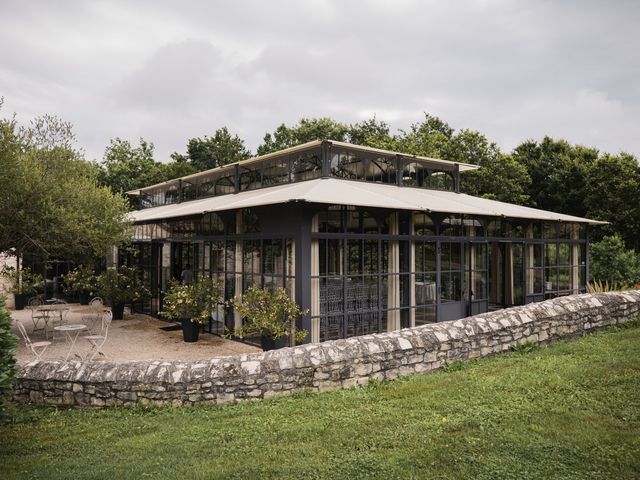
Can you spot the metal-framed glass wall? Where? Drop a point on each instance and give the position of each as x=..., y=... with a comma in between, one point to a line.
x=231, y=248
x=452, y=266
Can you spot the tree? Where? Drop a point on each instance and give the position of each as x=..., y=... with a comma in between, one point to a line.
x=558, y=173
x=126, y=167
x=210, y=152
x=612, y=193
x=611, y=262
x=307, y=130
x=429, y=138
x=372, y=133
x=500, y=176
x=54, y=207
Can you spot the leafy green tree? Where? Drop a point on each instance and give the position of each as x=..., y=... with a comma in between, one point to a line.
x=8, y=366
x=54, y=207
x=612, y=193
x=500, y=176
x=210, y=152
x=126, y=167
x=558, y=173
x=307, y=130
x=610, y=261
x=429, y=138
x=372, y=133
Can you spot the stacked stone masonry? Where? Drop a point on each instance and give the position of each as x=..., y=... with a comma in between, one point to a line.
x=320, y=367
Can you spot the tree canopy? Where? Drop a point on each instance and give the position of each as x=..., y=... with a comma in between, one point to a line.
x=51, y=204
x=210, y=152
x=127, y=167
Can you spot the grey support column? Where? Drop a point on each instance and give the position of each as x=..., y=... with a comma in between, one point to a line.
x=302, y=249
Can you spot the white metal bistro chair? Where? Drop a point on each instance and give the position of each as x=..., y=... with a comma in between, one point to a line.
x=98, y=341
x=92, y=318
x=58, y=317
x=37, y=316
x=38, y=348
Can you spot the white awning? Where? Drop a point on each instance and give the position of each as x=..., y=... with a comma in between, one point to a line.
x=334, y=191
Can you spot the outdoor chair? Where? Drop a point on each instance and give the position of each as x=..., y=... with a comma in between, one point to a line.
x=38, y=348
x=97, y=341
x=58, y=317
x=36, y=316
x=93, y=317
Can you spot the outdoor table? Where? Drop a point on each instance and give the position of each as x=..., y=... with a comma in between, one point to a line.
x=92, y=313
x=48, y=310
x=69, y=332
x=91, y=309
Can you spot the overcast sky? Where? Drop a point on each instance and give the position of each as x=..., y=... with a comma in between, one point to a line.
x=169, y=71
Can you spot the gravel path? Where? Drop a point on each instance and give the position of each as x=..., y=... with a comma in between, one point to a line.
x=137, y=337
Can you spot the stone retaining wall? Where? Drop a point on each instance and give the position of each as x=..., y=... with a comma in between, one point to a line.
x=319, y=367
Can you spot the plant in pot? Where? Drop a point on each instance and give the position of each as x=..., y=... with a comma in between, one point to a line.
x=82, y=281
x=23, y=283
x=120, y=286
x=272, y=315
x=192, y=304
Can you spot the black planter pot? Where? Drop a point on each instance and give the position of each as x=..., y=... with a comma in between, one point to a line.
x=20, y=301
x=83, y=296
x=190, y=330
x=267, y=343
x=118, y=311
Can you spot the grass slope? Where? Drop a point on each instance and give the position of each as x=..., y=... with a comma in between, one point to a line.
x=571, y=410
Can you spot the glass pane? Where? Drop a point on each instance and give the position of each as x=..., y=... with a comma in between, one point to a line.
x=423, y=225
x=381, y=170
x=425, y=315
x=550, y=230
x=564, y=254
x=451, y=227
x=425, y=289
x=550, y=254
x=306, y=166
x=451, y=287
x=415, y=175
x=479, y=282
x=534, y=257
x=441, y=180
x=564, y=279
x=370, y=256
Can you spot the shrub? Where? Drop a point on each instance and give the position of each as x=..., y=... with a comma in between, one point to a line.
x=122, y=285
x=195, y=301
x=23, y=281
x=81, y=279
x=269, y=314
x=612, y=263
x=7, y=360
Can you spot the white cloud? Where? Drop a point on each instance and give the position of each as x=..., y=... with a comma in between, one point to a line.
x=169, y=72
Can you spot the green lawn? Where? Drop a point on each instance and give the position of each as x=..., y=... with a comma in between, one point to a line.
x=571, y=410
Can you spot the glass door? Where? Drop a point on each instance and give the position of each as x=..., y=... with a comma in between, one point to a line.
x=452, y=302
x=476, y=277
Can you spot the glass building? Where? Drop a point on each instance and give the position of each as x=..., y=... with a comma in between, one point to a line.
x=367, y=240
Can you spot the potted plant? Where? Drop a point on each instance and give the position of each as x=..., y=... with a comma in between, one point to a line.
x=23, y=284
x=82, y=281
x=120, y=286
x=272, y=315
x=192, y=304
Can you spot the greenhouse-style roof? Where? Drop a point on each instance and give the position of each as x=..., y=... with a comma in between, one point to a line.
x=462, y=167
x=335, y=191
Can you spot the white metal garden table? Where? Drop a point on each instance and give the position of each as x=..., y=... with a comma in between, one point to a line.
x=71, y=331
